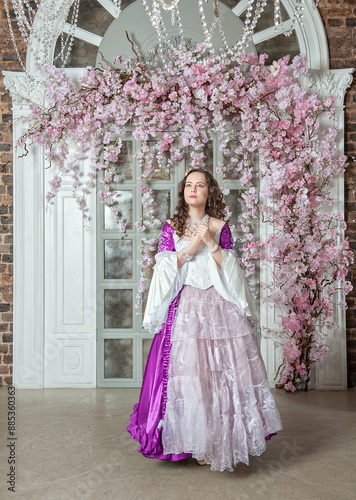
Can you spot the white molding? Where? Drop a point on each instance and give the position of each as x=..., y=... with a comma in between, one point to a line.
x=70, y=282
x=45, y=357
x=110, y=7
x=86, y=36
x=311, y=34
x=39, y=46
x=28, y=325
x=269, y=33
x=330, y=82
x=24, y=89
x=240, y=8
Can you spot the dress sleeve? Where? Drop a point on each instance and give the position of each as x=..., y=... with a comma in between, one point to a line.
x=167, y=281
x=166, y=241
x=229, y=280
x=226, y=240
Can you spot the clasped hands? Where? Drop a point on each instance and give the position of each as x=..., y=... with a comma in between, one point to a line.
x=202, y=236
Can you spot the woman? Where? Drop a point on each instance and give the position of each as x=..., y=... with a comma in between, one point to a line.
x=205, y=393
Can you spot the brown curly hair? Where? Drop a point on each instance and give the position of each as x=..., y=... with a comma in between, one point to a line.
x=215, y=208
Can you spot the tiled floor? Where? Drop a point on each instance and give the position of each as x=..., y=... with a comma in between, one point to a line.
x=72, y=444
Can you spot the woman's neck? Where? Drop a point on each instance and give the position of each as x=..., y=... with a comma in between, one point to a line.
x=196, y=214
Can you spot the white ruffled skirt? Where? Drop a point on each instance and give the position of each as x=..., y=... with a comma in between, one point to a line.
x=219, y=404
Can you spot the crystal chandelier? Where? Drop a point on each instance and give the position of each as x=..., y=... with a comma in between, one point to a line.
x=39, y=20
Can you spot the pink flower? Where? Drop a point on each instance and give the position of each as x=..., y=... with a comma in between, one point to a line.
x=277, y=119
x=290, y=387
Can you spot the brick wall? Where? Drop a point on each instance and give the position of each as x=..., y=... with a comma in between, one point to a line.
x=8, y=61
x=339, y=17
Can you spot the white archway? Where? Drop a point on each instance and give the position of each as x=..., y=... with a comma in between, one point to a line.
x=54, y=296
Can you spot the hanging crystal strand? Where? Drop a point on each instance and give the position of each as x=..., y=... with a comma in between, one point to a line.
x=21, y=19
x=159, y=26
x=241, y=45
x=179, y=25
x=71, y=32
x=31, y=11
x=155, y=18
x=157, y=22
x=178, y=20
x=36, y=23
x=50, y=16
x=228, y=52
x=207, y=34
x=277, y=15
x=299, y=13
x=66, y=39
x=20, y=13
x=250, y=25
x=12, y=36
x=296, y=19
x=117, y=4
x=169, y=8
x=165, y=38
x=298, y=16
x=217, y=23
x=46, y=17
x=260, y=6
x=66, y=46
x=172, y=8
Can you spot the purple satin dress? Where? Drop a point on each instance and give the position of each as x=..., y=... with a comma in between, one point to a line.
x=150, y=409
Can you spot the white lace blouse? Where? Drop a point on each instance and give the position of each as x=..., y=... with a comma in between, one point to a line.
x=202, y=272
x=198, y=269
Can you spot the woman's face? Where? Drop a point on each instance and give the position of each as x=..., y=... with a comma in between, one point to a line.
x=196, y=190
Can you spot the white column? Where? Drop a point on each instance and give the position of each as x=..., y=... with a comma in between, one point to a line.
x=28, y=243
x=332, y=372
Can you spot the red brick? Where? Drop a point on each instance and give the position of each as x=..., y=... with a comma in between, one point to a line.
x=4, y=369
x=7, y=359
x=4, y=348
x=336, y=22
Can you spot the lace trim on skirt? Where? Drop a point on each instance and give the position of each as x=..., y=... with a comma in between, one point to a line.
x=219, y=404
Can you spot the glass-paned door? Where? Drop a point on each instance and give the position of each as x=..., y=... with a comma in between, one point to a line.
x=122, y=344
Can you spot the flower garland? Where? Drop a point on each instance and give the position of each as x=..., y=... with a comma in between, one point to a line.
x=202, y=94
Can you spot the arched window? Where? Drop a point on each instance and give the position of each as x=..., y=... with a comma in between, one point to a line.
x=97, y=24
